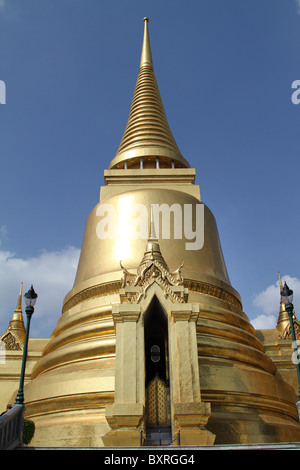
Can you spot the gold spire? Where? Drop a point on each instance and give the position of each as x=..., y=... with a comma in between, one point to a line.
x=152, y=253
x=18, y=309
x=16, y=324
x=152, y=230
x=283, y=318
x=280, y=283
x=147, y=135
x=146, y=57
x=14, y=335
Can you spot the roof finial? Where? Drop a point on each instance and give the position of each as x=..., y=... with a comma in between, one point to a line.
x=283, y=318
x=146, y=57
x=152, y=231
x=19, y=304
x=15, y=333
x=280, y=282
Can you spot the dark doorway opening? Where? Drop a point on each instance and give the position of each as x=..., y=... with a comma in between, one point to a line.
x=158, y=420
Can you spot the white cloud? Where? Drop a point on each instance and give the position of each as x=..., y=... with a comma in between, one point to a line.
x=263, y=322
x=52, y=275
x=268, y=301
x=298, y=5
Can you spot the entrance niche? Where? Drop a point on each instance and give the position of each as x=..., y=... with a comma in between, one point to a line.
x=158, y=419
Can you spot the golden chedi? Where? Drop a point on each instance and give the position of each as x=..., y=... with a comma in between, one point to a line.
x=152, y=336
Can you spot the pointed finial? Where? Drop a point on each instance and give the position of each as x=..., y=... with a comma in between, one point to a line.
x=16, y=324
x=280, y=282
x=152, y=231
x=19, y=304
x=146, y=57
x=283, y=318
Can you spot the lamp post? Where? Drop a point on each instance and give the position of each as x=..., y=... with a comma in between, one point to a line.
x=287, y=297
x=30, y=300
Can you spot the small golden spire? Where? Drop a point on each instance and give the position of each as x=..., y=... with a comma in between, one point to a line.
x=280, y=282
x=146, y=57
x=152, y=253
x=19, y=304
x=17, y=315
x=152, y=231
x=16, y=329
x=17, y=324
x=283, y=318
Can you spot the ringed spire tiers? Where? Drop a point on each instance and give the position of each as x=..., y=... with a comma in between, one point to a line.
x=147, y=141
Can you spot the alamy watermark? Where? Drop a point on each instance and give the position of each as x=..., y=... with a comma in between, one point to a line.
x=131, y=221
x=2, y=92
x=296, y=94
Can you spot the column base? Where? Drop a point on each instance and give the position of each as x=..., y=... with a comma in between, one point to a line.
x=125, y=421
x=191, y=419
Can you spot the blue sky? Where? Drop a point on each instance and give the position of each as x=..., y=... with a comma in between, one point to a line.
x=224, y=69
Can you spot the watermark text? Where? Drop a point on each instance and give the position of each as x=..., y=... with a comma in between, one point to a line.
x=296, y=94
x=176, y=221
x=2, y=92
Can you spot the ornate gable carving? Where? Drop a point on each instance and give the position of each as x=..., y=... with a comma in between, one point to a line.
x=287, y=333
x=11, y=340
x=152, y=269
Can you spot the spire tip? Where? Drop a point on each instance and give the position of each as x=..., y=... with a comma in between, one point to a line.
x=146, y=58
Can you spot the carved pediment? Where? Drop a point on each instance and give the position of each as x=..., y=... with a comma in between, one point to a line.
x=287, y=333
x=11, y=340
x=152, y=269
